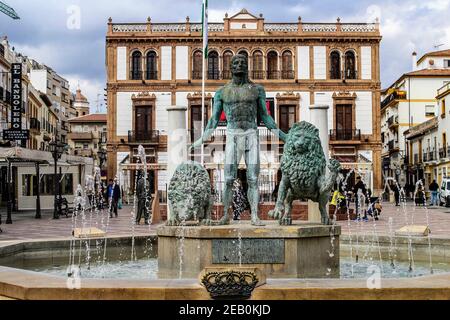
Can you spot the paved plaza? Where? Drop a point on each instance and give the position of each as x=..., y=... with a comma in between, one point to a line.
x=25, y=227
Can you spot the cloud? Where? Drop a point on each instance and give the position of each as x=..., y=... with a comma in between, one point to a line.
x=78, y=54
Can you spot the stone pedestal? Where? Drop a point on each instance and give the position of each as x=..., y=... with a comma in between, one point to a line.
x=298, y=251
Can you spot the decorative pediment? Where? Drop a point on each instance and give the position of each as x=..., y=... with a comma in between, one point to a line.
x=344, y=95
x=198, y=96
x=144, y=96
x=243, y=15
x=288, y=95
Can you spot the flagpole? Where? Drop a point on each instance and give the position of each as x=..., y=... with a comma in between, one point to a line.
x=204, y=54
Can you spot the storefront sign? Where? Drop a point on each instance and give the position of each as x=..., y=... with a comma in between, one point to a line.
x=16, y=132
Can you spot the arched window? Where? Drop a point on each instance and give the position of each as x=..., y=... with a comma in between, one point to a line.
x=272, y=65
x=197, y=65
x=213, y=65
x=136, y=66
x=227, y=56
x=287, y=66
x=258, y=65
x=350, y=65
x=335, y=65
x=152, y=69
x=244, y=53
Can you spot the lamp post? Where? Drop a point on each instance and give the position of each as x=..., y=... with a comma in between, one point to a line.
x=57, y=149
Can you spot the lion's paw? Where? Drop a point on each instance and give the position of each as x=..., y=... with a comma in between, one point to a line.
x=207, y=222
x=276, y=213
x=286, y=221
x=172, y=223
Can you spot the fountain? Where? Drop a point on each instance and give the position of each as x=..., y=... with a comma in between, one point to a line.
x=196, y=242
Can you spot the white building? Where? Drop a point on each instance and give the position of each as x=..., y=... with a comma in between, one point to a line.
x=408, y=102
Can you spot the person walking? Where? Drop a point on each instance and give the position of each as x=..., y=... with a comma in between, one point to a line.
x=359, y=190
x=434, y=187
x=113, y=197
x=396, y=190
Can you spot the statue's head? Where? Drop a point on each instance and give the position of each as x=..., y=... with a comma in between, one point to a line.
x=239, y=65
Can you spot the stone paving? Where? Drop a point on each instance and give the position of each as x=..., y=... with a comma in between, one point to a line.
x=25, y=227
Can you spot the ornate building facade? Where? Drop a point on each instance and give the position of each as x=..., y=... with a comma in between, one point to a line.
x=154, y=65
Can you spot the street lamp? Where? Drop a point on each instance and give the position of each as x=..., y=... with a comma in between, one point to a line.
x=56, y=149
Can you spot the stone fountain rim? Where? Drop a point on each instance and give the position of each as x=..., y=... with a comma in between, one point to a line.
x=25, y=284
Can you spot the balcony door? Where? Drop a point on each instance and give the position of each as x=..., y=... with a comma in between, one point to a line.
x=344, y=122
x=143, y=122
x=287, y=116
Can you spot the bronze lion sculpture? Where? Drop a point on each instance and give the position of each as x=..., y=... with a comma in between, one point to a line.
x=303, y=166
x=189, y=195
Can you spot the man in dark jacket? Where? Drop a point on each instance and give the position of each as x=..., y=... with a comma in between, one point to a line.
x=434, y=188
x=358, y=190
x=114, y=196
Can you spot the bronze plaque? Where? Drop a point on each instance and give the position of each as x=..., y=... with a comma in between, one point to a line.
x=247, y=251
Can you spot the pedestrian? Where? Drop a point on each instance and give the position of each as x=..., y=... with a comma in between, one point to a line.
x=359, y=191
x=395, y=189
x=434, y=187
x=420, y=196
x=113, y=197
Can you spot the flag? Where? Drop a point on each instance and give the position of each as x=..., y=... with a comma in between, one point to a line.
x=205, y=27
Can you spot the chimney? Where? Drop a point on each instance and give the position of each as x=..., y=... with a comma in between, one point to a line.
x=414, y=61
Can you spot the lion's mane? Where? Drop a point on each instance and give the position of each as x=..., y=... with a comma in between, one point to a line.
x=302, y=167
x=189, y=188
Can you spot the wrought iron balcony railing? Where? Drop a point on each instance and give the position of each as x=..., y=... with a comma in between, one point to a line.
x=150, y=136
x=226, y=74
x=287, y=74
x=442, y=153
x=273, y=75
x=345, y=135
x=151, y=75
x=257, y=74
x=135, y=75
x=196, y=75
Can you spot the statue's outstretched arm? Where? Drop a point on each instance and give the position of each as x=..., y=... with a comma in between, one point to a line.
x=213, y=122
x=266, y=118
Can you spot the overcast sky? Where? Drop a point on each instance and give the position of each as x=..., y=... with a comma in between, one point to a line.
x=78, y=53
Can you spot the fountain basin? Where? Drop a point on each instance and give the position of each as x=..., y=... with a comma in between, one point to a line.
x=298, y=251
x=17, y=283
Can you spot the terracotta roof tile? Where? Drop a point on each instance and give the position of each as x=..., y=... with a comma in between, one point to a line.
x=429, y=72
x=95, y=117
x=441, y=53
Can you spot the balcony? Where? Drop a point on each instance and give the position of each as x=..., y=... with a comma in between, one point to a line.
x=35, y=125
x=83, y=152
x=196, y=75
x=396, y=95
x=151, y=136
x=425, y=156
x=273, y=75
x=151, y=75
x=392, y=122
x=432, y=155
x=287, y=74
x=84, y=136
x=345, y=135
x=257, y=74
x=351, y=75
x=442, y=153
x=213, y=75
x=226, y=75
x=393, y=146
x=135, y=75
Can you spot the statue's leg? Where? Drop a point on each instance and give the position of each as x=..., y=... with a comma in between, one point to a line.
x=253, y=167
x=277, y=213
x=323, y=200
x=287, y=218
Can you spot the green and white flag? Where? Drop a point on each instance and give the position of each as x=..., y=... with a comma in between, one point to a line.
x=205, y=27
